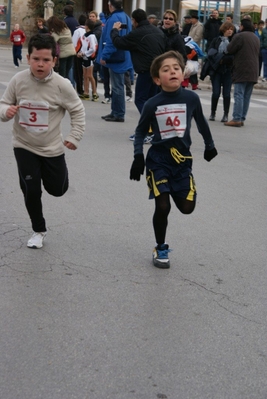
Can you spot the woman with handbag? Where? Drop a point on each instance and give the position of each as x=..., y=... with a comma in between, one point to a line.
x=221, y=65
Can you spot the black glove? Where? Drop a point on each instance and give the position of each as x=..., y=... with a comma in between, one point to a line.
x=138, y=167
x=210, y=154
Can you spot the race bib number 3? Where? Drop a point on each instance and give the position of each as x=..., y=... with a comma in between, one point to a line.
x=33, y=116
x=171, y=120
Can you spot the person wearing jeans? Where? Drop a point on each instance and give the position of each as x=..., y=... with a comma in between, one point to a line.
x=118, y=61
x=118, y=98
x=242, y=94
x=245, y=47
x=144, y=42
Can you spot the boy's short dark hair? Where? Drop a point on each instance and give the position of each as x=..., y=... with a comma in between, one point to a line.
x=68, y=10
x=247, y=25
x=41, y=42
x=158, y=61
x=82, y=18
x=117, y=4
x=139, y=15
x=90, y=24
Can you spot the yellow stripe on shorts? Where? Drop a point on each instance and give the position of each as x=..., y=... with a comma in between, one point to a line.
x=192, y=191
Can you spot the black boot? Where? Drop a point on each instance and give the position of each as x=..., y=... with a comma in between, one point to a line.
x=224, y=118
x=226, y=107
x=214, y=102
x=212, y=116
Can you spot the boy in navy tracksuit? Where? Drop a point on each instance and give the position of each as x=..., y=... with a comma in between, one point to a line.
x=169, y=161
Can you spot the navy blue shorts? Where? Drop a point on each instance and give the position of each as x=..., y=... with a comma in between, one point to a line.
x=170, y=171
x=87, y=63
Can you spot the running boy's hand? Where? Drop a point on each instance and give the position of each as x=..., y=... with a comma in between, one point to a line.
x=12, y=110
x=69, y=145
x=138, y=167
x=210, y=154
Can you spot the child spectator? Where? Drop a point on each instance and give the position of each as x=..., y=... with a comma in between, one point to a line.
x=37, y=99
x=17, y=37
x=88, y=54
x=42, y=28
x=77, y=42
x=169, y=160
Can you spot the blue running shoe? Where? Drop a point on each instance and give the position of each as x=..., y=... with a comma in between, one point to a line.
x=160, y=256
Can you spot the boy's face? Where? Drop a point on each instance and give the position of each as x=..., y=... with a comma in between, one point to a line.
x=170, y=75
x=41, y=62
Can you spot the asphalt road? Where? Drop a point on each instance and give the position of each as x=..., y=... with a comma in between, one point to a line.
x=89, y=317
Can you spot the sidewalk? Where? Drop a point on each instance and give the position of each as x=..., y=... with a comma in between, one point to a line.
x=260, y=88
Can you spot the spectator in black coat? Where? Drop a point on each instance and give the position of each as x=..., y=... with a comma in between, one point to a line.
x=212, y=28
x=187, y=25
x=170, y=28
x=145, y=43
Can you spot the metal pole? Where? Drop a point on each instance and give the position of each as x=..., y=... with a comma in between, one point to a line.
x=236, y=15
x=162, y=7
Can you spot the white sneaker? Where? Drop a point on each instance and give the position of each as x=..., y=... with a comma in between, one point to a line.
x=36, y=240
x=106, y=101
x=129, y=99
x=264, y=80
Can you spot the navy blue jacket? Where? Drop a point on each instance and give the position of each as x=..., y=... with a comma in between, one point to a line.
x=193, y=110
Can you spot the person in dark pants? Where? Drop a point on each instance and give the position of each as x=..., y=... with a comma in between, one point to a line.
x=221, y=77
x=77, y=64
x=169, y=160
x=37, y=99
x=17, y=37
x=212, y=28
x=187, y=25
x=144, y=42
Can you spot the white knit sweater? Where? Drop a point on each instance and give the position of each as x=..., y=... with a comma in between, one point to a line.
x=60, y=96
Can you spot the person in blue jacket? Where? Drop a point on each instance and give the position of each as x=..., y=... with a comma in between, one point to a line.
x=118, y=61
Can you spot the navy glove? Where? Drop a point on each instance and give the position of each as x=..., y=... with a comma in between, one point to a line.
x=210, y=154
x=138, y=167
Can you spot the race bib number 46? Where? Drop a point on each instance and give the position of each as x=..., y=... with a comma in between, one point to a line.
x=171, y=120
x=33, y=116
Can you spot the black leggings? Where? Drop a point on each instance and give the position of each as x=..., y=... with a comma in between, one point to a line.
x=162, y=210
x=34, y=169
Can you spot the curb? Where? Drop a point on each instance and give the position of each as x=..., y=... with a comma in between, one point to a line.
x=260, y=88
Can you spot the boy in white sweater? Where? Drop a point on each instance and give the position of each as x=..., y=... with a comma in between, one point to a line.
x=37, y=99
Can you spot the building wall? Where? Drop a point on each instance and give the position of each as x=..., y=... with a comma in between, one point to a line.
x=17, y=10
